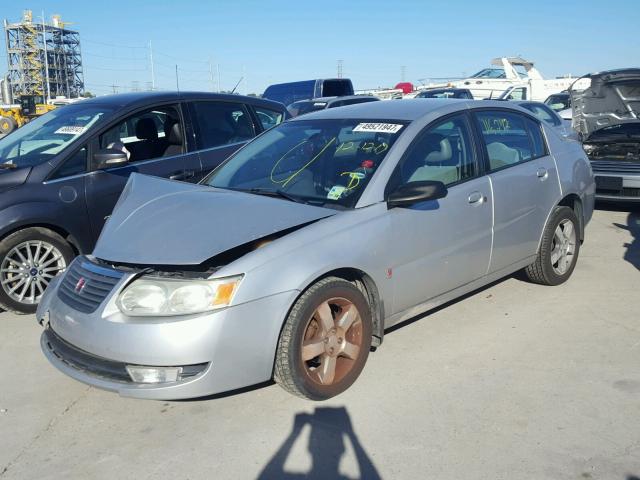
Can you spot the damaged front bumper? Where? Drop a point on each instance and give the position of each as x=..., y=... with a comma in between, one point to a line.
x=214, y=352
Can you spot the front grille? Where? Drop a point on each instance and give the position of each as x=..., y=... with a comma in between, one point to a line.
x=83, y=361
x=86, y=285
x=615, y=167
x=100, y=367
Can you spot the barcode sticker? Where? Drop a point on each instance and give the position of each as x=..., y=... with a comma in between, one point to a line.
x=69, y=130
x=378, y=127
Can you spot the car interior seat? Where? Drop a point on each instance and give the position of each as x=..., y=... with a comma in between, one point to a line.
x=439, y=163
x=147, y=132
x=501, y=155
x=243, y=130
x=173, y=138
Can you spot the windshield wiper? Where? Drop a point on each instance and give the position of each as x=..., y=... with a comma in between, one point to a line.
x=274, y=193
x=8, y=166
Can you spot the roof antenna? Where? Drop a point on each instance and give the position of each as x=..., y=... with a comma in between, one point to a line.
x=177, y=82
x=234, y=88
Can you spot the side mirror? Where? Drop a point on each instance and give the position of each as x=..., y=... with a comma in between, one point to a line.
x=416, y=192
x=109, y=157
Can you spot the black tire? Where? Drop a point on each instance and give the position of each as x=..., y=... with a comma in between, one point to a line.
x=291, y=372
x=35, y=234
x=543, y=270
x=7, y=125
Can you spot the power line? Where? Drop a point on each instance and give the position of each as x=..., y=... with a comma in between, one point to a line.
x=84, y=40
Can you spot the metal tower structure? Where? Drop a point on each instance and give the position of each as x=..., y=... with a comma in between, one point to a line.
x=43, y=58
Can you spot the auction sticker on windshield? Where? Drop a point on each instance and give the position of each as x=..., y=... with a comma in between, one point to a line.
x=378, y=127
x=69, y=130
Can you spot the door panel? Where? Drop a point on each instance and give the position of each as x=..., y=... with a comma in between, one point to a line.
x=442, y=244
x=154, y=142
x=524, y=196
x=524, y=182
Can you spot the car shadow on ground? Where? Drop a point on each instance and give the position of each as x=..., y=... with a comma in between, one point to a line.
x=330, y=427
x=632, y=252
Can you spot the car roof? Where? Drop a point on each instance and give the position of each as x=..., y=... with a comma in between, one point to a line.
x=144, y=98
x=404, y=110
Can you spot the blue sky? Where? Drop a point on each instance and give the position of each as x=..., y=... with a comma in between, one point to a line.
x=272, y=41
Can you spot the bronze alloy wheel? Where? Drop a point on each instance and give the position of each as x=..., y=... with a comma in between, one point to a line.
x=325, y=340
x=332, y=341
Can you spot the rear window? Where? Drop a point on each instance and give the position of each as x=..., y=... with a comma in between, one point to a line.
x=337, y=88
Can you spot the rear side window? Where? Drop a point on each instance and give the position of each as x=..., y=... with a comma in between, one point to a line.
x=268, y=118
x=543, y=113
x=537, y=139
x=506, y=137
x=337, y=88
x=221, y=123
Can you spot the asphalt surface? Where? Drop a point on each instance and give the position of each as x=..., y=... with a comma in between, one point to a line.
x=516, y=381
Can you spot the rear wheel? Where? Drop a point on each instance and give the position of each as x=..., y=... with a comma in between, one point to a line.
x=559, y=249
x=29, y=260
x=325, y=341
x=7, y=125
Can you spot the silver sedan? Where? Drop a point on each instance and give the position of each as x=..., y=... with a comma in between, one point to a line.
x=291, y=259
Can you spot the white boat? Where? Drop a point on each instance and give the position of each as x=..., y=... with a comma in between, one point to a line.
x=510, y=77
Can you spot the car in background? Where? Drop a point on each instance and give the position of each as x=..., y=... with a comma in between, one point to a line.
x=559, y=101
x=446, y=93
x=306, y=106
x=551, y=118
x=290, y=92
x=61, y=174
x=606, y=115
x=291, y=259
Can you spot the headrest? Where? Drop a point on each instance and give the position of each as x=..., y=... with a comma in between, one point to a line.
x=173, y=133
x=146, y=129
x=439, y=150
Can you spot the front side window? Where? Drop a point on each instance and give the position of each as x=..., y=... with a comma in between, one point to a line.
x=321, y=162
x=152, y=133
x=508, y=138
x=268, y=118
x=221, y=123
x=74, y=165
x=442, y=153
x=42, y=139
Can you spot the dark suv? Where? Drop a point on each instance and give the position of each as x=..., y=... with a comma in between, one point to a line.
x=61, y=175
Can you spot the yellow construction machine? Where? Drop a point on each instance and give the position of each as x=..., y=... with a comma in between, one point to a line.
x=28, y=108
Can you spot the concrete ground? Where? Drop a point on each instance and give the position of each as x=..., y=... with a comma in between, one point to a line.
x=516, y=381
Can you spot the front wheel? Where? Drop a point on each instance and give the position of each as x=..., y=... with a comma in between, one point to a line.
x=7, y=125
x=559, y=249
x=29, y=260
x=325, y=341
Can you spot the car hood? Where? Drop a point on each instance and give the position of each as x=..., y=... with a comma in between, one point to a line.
x=163, y=222
x=613, y=98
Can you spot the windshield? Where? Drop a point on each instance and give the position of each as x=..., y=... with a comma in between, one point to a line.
x=320, y=162
x=43, y=138
x=490, y=73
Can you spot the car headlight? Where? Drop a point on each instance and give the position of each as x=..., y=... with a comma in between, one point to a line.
x=152, y=296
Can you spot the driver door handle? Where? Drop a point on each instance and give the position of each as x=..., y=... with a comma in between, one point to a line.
x=476, y=198
x=183, y=175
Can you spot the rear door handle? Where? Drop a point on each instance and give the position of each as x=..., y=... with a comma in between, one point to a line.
x=542, y=173
x=476, y=198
